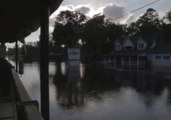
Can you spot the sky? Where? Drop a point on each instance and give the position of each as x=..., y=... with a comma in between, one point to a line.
x=111, y=8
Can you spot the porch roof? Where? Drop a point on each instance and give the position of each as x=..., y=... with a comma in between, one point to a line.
x=21, y=17
x=129, y=52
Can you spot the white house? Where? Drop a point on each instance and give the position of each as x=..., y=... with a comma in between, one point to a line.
x=161, y=59
x=128, y=44
x=159, y=55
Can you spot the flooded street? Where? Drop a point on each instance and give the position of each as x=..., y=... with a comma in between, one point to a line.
x=101, y=94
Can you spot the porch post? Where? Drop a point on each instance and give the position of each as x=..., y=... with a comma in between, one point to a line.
x=122, y=63
x=138, y=63
x=104, y=59
x=44, y=59
x=114, y=60
x=129, y=62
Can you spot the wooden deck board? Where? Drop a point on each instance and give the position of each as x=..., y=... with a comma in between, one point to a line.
x=7, y=110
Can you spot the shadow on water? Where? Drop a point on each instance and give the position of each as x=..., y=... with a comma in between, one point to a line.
x=73, y=91
x=68, y=87
x=102, y=94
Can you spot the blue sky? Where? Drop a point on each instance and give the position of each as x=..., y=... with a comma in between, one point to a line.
x=111, y=8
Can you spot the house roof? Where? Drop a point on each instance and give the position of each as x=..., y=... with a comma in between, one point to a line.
x=21, y=17
x=149, y=39
x=163, y=49
x=120, y=40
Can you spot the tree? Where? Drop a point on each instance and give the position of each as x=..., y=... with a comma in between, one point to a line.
x=67, y=27
x=149, y=23
x=167, y=28
x=95, y=34
x=133, y=29
x=169, y=16
x=113, y=31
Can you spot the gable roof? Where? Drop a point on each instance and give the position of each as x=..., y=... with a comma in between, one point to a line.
x=154, y=45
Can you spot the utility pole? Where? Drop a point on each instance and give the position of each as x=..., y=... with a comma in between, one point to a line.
x=44, y=59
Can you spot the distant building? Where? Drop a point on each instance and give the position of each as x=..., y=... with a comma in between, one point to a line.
x=135, y=44
x=160, y=56
x=140, y=52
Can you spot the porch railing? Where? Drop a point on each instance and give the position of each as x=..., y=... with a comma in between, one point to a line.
x=29, y=109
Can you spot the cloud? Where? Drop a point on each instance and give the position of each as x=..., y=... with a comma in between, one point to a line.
x=94, y=3
x=117, y=14
x=110, y=10
x=128, y=19
x=62, y=8
x=83, y=9
x=162, y=14
x=113, y=11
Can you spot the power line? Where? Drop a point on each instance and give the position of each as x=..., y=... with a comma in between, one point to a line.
x=138, y=9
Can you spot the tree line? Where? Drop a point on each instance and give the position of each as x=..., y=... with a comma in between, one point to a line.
x=30, y=51
x=98, y=34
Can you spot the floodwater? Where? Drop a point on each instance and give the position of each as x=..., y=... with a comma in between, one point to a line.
x=96, y=93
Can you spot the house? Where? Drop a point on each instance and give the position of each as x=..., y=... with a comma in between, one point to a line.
x=141, y=52
x=141, y=44
x=130, y=53
x=123, y=43
x=160, y=56
x=127, y=44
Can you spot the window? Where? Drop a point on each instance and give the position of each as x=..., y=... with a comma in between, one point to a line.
x=158, y=57
x=166, y=57
x=141, y=46
x=118, y=47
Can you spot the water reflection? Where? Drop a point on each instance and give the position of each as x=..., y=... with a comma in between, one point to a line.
x=108, y=94
x=68, y=86
x=99, y=94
